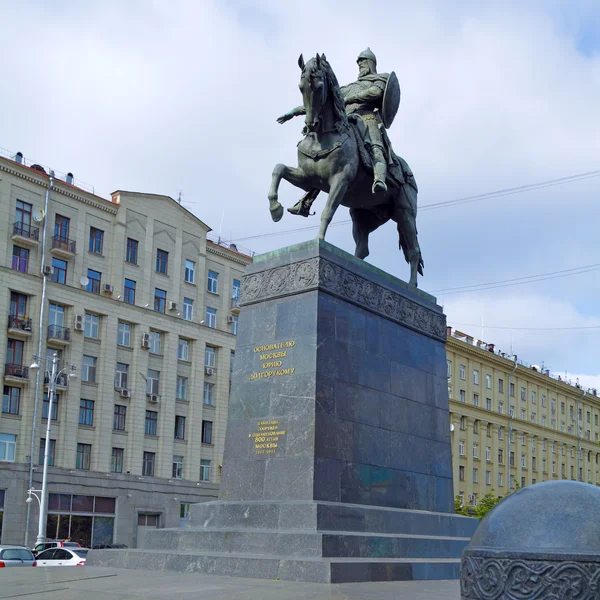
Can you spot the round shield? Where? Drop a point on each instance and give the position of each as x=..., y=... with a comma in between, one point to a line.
x=391, y=100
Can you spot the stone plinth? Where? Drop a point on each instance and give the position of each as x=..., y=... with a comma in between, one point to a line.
x=337, y=462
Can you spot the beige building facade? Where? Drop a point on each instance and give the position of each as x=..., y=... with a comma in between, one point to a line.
x=515, y=425
x=143, y=301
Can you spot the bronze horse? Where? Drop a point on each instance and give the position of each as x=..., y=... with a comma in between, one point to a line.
x=329, y=160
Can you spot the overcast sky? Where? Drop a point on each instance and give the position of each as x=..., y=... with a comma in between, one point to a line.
x=182, y=96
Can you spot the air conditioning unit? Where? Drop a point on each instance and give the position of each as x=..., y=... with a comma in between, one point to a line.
x=153, y=398
x=79, y=324
x=48, y=270
x=229, y=319
x=209, y=370
x=173, y=306
x=107, y=288
x=125, y=393
x=145, y=340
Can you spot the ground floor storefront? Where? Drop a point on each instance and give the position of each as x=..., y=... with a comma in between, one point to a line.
x=94, y=508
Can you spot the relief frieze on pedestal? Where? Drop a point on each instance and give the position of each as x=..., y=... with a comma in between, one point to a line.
x=319, y=273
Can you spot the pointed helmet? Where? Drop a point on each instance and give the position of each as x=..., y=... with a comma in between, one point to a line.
x=368, y=54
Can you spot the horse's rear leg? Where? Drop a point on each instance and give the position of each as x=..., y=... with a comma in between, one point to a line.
x=295, y=176
x=363, y=223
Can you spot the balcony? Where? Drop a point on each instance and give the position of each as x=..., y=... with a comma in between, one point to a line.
x=19, y=326
x=59, y=335
x=235, y=304
x=16, y=373
x=25, y=234
x=63, y=247
x=61, y=381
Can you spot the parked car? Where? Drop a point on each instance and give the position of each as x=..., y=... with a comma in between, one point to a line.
x=54, y=544
x=62, y=557
x=105, y=546
x=16, y=556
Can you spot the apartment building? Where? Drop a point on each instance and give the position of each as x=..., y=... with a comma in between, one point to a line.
x=143, y=301
x=512, y=423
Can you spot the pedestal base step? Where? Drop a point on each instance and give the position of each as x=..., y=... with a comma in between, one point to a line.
x=291, y=568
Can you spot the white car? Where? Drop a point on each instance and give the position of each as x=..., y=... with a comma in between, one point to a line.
x=62, y=557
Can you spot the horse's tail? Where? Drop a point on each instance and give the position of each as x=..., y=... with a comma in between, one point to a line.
x=405, y=250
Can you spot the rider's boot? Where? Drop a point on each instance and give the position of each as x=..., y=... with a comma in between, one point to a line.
x=302, y=207
x=379, y=170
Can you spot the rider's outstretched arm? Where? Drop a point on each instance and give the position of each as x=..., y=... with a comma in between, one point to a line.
x=295, y=112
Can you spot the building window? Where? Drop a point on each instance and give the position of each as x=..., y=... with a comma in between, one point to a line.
x=543, y=401
x=533, y=398
x=234, y=324
x=179, y=427
x=96, y=240
x=207, y=396
x=543, y=420
x=18, y=310
x=94, y=277
x=183, y=349
x=213, y=282
x=59, y=271
x=151, y=422
x=177, y=467
x=88, y=369
x=463, y=423
x=523, y=394
x=475, y=399
x=511, y=390
x=533, y=417
x=162, y=261
x=119, y=417
x=461, y=448
x=148, y=464
x=116, y=462
x=46, y=406
x=20, y=259
x=461, y=473
x=501, y=386
x=475, y=475
x=476, y=377
x=124, y=334
x=160, y=300
x=51, y=451
x=488, y=403
x=84, y=455
x=500, y=455
x=61, y=228
x=462, y=395
x=14, y=355
x=523, y=415
x=500, y=407
x=488, y=478
x=92, y=325
x=489, y=430
x=500, y=479
x=152, y=382
x=86, y=412
x=511, y=411
x=11, y=399
x=23, y=215
x=475, y=426
x=236, y=292
x=475, y=450
x=129, y=291
x=204, y=470
x=182, y=386
x=121, y=374
x=500, y=433
x=131, y=255
x=562, y=408
x=448, y=368
x=488, y=453
x=488, y=382
x=190, y=271
x=211, y=317
x=462, y=372
x=210, y=356
x=8, y=445
x=188, y=309
x=207, y=432
x=155, y=339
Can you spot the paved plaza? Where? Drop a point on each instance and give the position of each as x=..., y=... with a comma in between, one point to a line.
x=97, y=583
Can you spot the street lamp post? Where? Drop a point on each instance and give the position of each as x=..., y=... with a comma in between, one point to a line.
x=53, y=376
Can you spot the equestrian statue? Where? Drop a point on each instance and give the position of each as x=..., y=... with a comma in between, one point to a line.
x=347, y=153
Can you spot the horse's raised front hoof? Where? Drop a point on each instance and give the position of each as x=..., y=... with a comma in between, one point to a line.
x=276, y=210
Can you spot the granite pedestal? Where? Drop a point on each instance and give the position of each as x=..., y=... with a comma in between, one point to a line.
x=337, y=462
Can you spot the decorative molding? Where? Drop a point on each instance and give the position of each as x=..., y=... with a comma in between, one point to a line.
x=492, y=578
x=158, y=232
x=319, y=273
x=213, y=249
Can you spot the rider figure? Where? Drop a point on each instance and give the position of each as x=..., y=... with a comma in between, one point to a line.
x=364, y=98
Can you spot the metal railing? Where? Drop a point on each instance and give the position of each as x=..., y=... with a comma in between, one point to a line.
x=26, y=230
x=20, y=371
x=17, y=322
x=217, y=239
x=62, y=379
x=63, y=243
x=57, y=332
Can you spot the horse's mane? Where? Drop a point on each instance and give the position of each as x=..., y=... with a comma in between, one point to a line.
x=339, y=105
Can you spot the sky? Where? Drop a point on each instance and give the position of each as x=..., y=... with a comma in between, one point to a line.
x=182, y=96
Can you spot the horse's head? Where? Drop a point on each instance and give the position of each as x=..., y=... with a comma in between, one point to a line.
x=313, y=85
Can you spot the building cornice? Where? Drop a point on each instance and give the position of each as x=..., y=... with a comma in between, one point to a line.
x=232, y=256
x=59, y=187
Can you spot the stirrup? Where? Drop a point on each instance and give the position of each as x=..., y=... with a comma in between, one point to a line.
x=379, y=186
x=301, y=209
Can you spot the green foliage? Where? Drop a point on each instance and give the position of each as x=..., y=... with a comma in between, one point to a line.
x=483, y=507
